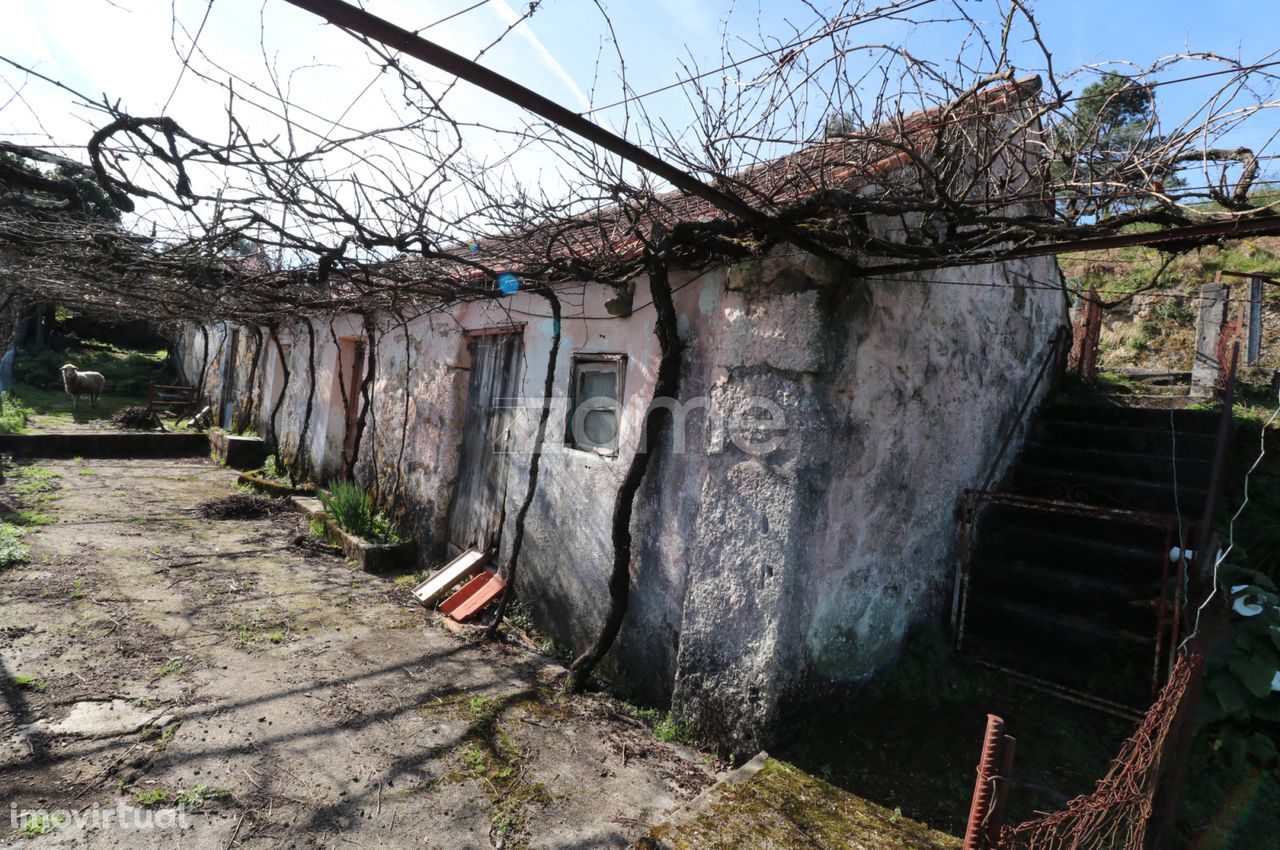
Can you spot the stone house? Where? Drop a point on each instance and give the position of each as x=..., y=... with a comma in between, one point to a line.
x=803, y=516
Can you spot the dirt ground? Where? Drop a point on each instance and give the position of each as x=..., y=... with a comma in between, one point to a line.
x=171, y=681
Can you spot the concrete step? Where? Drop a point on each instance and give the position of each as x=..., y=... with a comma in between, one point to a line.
x=1194, y=445
x=1150, y=467
x=1110, y=491
x=1131, y=555
x=132, y=444
x=1040, y=625
x=1118, y=414
x=1104, y=600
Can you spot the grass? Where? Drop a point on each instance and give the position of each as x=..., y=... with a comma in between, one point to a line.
x=189, y=798
x=37, y=486
x=44, y=409
x=127, y=372
x=668, y=730
x=38, y=825
x=13, y=552
x=13, y=414
x=152, y=797
x=1159, y=333
x=909, y=739
x=194, y=798
x=351, y=508
x=173, y=667
x=38, y=400
x=28, y=682
x=161, y=736
x=488, y=755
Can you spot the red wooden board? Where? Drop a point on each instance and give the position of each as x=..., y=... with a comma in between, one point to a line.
x=473, y=597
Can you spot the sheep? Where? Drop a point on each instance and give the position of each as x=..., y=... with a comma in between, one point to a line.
x=88, y=383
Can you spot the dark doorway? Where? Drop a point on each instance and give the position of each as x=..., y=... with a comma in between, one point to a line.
x=351, y=369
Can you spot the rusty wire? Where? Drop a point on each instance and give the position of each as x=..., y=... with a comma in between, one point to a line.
x=1119, y=812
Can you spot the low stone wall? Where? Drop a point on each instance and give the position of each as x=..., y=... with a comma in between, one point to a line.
x=139, y=444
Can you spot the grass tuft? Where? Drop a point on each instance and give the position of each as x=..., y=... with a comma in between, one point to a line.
x=352, y=510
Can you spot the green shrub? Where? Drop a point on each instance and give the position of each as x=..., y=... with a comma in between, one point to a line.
x=13, y=551
x=13, y=414
x=669, y=730
x=353, y=512
x=273, y=471
x=1173, y=311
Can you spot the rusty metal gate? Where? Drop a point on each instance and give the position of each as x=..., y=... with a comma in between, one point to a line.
x=1083, y=600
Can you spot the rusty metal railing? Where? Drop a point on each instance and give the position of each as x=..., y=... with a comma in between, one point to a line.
x=1053, y=353
x=1135, y=806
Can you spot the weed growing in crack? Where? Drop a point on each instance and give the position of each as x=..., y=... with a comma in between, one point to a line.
x=153, y=797
x=38, y=825
x=668, y=730
x=161, y=736
x=28, y=682
x=173, y=667
x=13, y=552
x=194, y=798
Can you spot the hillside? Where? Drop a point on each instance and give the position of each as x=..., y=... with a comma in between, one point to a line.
x=1155, y=329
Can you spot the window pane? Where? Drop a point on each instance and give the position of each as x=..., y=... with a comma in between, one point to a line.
x=598, y=384
x=600, y=428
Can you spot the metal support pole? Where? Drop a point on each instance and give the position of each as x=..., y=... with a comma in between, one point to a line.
x=361, y=23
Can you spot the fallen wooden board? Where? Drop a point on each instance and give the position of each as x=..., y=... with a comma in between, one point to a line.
x=460, y=568
x=473, y=597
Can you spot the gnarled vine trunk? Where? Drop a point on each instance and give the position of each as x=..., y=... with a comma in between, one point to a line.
x=657, y=423
x=535, y=462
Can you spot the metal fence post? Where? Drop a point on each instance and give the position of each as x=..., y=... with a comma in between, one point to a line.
x=1253, y=347
x=984, y=787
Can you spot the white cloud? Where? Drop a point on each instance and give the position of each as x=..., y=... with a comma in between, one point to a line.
x=526, y=32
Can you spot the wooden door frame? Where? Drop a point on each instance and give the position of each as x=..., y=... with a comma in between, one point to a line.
x=351, y=411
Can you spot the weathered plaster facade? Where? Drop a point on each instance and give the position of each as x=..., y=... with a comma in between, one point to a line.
x=800, y=521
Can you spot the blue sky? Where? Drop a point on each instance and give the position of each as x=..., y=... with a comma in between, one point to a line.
x=123, y=48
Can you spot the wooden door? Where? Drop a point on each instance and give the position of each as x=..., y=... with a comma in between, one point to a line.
x=476, y=516
x=351, y=384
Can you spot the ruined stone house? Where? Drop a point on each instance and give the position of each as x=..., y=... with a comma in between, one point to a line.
x=800, y=521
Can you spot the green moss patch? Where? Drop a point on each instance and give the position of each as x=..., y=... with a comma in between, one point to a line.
x=781, y=807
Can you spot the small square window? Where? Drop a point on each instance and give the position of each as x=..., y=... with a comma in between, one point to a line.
x=594, y=403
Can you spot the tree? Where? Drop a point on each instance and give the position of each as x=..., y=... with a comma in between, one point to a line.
x=1116, y=112
x=1107, y=134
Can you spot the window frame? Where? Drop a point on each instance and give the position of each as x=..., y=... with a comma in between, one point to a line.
x=587, y=363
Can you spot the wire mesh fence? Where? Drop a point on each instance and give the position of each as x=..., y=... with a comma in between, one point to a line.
x=1135, y=805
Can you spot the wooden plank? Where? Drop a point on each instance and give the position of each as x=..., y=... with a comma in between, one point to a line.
x=464, y=593
x=462, y=567
x=473, y=598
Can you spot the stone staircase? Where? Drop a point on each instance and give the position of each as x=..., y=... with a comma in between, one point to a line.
x=1068, y=578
